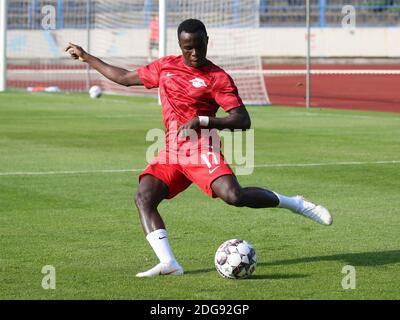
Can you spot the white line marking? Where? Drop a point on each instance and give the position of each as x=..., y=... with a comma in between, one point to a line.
x=294, y=72
x=116, y=116
x=344, y=163
x=272, y=165
x=128, y=116
x=49, y=173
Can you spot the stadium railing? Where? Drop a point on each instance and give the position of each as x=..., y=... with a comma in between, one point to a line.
x=280, y=13
x=328, y=13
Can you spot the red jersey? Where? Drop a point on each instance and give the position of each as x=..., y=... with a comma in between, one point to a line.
x=188, y=92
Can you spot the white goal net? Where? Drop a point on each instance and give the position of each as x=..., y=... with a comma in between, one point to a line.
x=234, y=44
x=119, y=32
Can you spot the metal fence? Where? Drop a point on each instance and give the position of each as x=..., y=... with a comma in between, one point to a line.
x=26, y=14
x=328, y=13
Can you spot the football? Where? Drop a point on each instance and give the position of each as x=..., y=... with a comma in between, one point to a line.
x=95, y=92
x=235, y=259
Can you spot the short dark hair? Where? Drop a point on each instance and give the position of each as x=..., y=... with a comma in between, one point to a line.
x=192, y=26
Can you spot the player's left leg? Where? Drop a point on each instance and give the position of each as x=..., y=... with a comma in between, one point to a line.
x=229, y=190
x=150, y=193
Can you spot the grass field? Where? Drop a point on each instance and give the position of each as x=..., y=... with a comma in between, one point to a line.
x=60, y=206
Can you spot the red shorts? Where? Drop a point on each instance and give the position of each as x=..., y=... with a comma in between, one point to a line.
x=179, y=177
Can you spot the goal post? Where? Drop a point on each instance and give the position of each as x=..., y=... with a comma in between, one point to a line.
x=308, y=56
x=163, y=27
x=3, y=45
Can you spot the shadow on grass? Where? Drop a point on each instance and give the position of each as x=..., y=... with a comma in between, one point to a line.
x=375, y=258
x=255, y=276
x=276, y=276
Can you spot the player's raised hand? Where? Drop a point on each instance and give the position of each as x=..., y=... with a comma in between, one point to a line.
x=76, y=52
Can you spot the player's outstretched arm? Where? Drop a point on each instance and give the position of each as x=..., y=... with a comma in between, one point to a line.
x=118, y=75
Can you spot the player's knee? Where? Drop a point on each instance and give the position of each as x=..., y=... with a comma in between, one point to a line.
x=234, y=197
x=143, y=200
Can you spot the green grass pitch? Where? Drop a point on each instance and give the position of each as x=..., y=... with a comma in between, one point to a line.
x=59, y=207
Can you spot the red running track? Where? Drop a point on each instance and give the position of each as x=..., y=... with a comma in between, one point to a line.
x=343, y=91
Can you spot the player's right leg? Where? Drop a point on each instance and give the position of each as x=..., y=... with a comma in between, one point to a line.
x=150, y=193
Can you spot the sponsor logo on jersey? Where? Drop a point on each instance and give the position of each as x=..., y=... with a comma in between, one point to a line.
x=198, y=83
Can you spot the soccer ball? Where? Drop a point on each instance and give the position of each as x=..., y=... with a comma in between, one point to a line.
x=235, y=259
x=95, y=92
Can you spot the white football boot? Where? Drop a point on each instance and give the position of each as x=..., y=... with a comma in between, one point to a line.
x=163, y=269
x=313, y=211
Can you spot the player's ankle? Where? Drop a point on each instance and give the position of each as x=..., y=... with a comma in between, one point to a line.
x=291, y=203
x=173, y=262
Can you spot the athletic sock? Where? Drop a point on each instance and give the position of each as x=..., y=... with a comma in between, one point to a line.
x=159, y=242
x=291, y=203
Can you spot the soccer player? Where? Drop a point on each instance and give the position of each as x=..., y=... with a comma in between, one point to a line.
x=192, y=88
